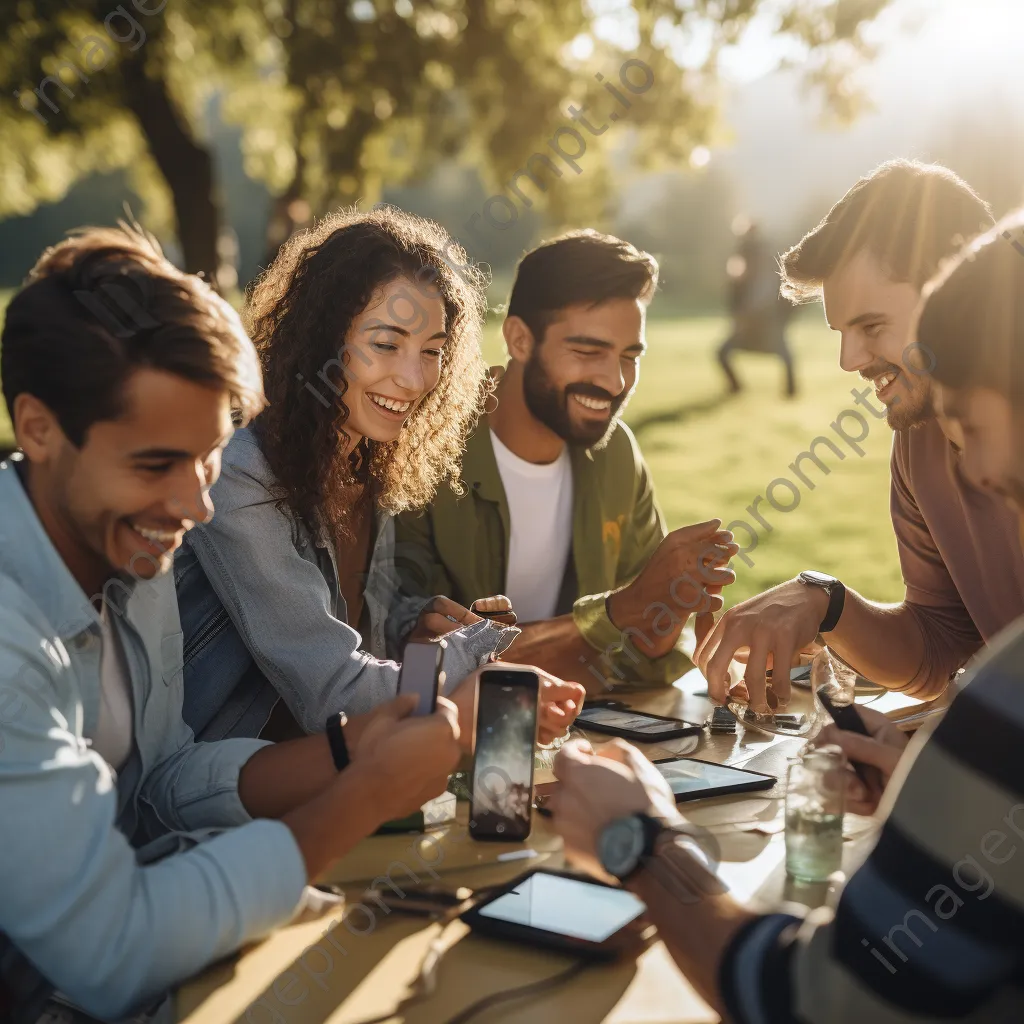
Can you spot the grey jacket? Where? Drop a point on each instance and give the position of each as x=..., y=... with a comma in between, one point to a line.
x=264, y=618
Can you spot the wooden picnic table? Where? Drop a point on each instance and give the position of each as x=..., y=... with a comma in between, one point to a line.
x=356, y=965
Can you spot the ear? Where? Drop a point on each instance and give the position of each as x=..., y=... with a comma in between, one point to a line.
x=36, y=429
x=518, y=339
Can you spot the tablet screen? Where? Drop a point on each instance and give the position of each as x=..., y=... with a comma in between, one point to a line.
x=685, y=777
x=566, y=906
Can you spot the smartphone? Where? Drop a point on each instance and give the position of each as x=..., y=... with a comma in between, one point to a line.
x=847, y=718
x=692, y=779
x=561, y=911
x=640, y=726
x=506, y=734
x=421, y=674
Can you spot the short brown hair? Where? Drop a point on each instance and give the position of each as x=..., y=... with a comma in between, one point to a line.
x=911, y=216
x=972, y=323
x=579, y=268
x=105, y=303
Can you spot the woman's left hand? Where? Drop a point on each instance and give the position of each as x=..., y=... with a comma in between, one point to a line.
x=497, y=608
x=441, y=615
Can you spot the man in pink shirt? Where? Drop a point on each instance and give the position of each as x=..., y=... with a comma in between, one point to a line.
x=959, y=547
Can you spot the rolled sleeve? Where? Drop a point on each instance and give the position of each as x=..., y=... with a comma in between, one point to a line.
x=197, y=788
x=626, y=662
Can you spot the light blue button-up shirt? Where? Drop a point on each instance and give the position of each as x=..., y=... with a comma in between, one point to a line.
x=79, y=898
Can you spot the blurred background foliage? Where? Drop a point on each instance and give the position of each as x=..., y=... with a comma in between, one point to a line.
x=229, y=123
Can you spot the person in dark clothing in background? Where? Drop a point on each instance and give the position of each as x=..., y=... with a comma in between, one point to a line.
x=759, y=313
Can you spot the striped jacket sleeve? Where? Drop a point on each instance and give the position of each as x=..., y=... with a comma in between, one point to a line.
x=931, y=928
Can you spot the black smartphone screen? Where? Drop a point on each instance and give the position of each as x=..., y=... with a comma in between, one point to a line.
x=506, y=731
x=629, y=722
x=690, y=779
x=421, y=663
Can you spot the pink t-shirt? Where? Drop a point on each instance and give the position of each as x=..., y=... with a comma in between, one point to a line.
x=959, y=548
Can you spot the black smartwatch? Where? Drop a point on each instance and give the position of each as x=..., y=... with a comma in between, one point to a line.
x=625, y=841
x=336, y=738
x=836, y=596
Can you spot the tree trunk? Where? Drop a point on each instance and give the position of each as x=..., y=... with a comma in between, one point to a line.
x=186, y=165
x=281, y=224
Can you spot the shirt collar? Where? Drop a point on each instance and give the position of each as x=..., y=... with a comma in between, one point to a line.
x=480, y=467
x=27, y=555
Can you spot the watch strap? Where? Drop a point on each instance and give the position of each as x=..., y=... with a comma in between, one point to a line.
x=336, y=738
x=653, y=828
x=836, y=597
x=836, y=603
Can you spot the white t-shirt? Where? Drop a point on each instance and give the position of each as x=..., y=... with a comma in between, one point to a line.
x=540, y=512
x=115, y=729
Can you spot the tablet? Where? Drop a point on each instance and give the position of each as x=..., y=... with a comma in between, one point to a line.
x=691, y=779
x=561, y=911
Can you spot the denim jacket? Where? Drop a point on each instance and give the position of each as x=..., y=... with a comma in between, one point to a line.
x=264, y=618
x=81, y=902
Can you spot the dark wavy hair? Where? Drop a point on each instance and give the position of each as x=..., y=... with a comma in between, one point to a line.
x=579, y=268
x=299, y=314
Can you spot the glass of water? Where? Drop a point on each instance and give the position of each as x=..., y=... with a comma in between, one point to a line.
x=815, y=795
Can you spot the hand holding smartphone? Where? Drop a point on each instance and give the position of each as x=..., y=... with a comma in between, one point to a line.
x=421, y=674
x=846, y=717
x=506, y=735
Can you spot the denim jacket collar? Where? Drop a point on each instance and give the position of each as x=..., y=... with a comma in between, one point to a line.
x=31, y=559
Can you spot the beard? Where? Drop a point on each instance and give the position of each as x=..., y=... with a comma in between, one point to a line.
x=912, y=405
x=550, y=405
x=914, y=410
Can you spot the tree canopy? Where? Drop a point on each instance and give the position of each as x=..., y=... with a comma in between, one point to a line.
x=335, y=98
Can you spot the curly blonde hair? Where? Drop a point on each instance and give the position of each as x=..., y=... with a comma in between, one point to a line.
x=299, y=314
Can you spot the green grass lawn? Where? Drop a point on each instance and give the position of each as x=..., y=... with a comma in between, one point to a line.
x=712, y=455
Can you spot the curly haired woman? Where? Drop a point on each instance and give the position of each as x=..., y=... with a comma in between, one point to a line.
x=369, y=341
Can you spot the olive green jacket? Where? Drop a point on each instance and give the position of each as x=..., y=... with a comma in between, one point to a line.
x=459, y=546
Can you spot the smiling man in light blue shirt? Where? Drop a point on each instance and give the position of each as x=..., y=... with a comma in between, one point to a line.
x=132, y=856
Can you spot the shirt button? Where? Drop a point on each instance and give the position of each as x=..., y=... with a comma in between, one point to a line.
x=84, y=641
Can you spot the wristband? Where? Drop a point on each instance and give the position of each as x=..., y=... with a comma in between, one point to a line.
x=336, y=738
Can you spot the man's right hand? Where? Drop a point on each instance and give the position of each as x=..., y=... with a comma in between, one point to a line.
x=773, y=627
x=397, y=765
x=410, y=759
x=679, y=574
x=882, y=750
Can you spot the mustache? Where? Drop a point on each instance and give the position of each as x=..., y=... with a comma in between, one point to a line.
x=593, y=391
x=878, y=367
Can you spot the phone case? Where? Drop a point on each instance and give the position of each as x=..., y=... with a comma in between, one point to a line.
x=518, y=837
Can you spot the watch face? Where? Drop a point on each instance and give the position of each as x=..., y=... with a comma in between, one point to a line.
x=620, y=844
x=822, y=579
